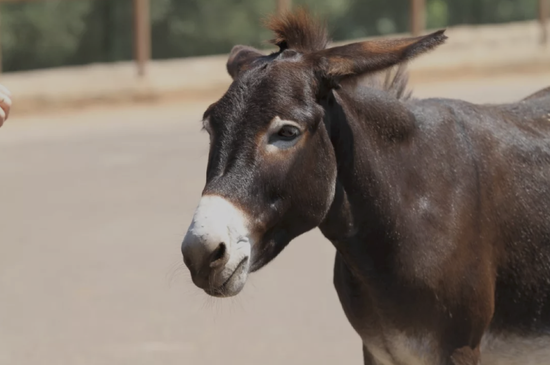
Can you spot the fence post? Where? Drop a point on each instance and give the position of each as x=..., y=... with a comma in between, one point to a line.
x=142, y=34
x=283, y=6
x=418, y=16
x=544, y=8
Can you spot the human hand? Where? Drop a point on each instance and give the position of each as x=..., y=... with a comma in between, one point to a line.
x=5, y=104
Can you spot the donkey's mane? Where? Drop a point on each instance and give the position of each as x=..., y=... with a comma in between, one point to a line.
x=302, y=32
x=394, y=81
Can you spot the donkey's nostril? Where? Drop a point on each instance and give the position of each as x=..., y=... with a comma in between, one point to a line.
x=219, y=256
x=219, y=253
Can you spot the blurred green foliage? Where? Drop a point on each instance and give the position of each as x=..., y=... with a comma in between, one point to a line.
x=60, y=32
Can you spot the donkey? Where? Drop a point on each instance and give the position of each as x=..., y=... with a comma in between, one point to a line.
x=439, y=209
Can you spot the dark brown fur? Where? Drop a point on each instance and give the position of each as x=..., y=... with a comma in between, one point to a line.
x=439, y=209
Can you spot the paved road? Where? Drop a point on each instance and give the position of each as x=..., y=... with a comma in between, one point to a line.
x=93, y=207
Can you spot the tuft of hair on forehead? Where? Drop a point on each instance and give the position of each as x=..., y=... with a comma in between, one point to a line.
x=299, y=31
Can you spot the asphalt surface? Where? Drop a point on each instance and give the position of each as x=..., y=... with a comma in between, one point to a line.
x=93, y=207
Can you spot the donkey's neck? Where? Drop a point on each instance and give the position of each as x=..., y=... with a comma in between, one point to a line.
x=370, y=131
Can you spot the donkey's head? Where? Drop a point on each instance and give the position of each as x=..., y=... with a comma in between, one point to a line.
x=271, y=170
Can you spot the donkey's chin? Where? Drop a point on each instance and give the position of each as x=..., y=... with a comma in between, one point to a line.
x=232, y=283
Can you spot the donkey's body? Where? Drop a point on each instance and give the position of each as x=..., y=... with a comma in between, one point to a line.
x=448, y=237
x=438, y=209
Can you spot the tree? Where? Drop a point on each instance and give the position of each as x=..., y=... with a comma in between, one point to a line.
x=60, y=32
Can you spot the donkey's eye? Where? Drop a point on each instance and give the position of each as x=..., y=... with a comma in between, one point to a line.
x=288, y=132
x=282, y=134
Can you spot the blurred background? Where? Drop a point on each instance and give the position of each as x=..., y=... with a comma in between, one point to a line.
x=102, y=163
x=51, y=33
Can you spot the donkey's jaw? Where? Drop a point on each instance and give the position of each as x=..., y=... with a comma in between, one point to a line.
x=217, y=247
x=233, y=283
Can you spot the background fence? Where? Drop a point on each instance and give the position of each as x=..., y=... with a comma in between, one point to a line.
x=51, y=33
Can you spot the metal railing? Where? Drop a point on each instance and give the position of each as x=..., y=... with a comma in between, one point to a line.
x=142, y=25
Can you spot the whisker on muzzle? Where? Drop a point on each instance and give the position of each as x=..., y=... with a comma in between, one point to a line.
x=175, y=270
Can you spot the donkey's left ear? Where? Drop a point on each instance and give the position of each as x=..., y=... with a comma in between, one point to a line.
x=371, y=56
x=240, y=59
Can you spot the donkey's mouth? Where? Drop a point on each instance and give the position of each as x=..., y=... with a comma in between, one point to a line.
x=233, y=284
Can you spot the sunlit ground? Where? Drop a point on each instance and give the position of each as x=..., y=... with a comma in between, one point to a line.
x=93, y=208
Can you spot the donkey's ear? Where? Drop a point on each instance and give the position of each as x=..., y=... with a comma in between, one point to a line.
x=371, y=56
x=240, y=58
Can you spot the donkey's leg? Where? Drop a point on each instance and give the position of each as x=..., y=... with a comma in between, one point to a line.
x=465, y=356
x=461, y=341
x=353, y=301
x=462, y=336
x=368, y=359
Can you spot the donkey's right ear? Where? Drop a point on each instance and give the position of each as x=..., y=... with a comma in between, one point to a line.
x=240, y=59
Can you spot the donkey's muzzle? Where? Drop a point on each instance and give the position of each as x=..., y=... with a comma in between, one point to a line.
x=217, y=247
